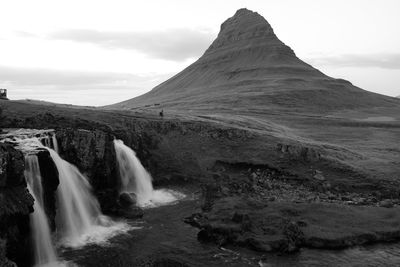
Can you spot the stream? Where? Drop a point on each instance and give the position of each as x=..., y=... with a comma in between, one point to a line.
x=165, y=240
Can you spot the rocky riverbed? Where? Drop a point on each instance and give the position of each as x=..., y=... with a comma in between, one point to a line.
x=267, y=210
x=265, y=184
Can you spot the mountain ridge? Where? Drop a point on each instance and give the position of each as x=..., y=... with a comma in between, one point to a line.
x=247, y=66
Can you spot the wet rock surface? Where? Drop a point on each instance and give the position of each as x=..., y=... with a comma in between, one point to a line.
x=50, y=182
x=4, y=262
x=92, y=152
x=15, y=206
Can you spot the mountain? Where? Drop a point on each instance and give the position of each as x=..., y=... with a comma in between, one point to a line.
x=247, y=68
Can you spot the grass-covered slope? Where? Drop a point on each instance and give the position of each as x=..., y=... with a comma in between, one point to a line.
x=247, y=68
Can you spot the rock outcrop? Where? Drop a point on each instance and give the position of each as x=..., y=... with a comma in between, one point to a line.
x=15, y=206
x=267, y=226
x=92, y=151
x=50, y=182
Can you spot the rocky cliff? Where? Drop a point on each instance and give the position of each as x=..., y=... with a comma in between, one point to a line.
x=50, y=182
x=15, y=206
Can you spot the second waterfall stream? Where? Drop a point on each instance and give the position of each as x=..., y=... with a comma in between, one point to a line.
x=136, y=180
x=79, y=219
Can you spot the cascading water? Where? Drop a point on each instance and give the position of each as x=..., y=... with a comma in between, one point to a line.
x=78, y=209
x=135, y=179
x=44, y=252
x=79, y=219
x=55, y=143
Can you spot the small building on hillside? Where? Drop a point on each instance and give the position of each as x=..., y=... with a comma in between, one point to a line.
x=3, y=94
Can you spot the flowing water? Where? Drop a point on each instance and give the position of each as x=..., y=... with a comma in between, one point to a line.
x=44, y=252
x=162, y=238
x=55, y=143
x=79, y=212
x=79, y=219
x=165, y=237
x=135, y=179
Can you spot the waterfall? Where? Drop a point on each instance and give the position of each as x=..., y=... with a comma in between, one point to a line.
x=44, y=252
x=79, y=219
x=135, y=179
x=55, y=144
x=78, y=209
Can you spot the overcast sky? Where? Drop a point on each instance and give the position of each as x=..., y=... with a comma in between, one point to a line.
x=102, y=52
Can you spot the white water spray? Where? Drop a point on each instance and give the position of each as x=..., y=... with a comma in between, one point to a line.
x=79, y=218
x=44, y=252
x=135, y=179
x=78, y=209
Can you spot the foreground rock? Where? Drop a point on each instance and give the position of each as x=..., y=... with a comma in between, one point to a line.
x=286, y=226
x=15, y=206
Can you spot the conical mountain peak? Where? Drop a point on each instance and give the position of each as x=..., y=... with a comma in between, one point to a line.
x=247, y=68
x=246, y=20
x=247, y=30
x=244, y=25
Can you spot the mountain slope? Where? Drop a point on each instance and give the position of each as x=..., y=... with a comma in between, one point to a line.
x=247, y=68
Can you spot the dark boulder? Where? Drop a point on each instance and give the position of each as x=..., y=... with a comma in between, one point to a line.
x=127, y=200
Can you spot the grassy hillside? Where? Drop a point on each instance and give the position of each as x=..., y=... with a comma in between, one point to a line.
x=248, y=69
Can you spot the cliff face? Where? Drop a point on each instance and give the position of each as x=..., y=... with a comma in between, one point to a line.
x=92, y=151
x=15, y=206
x=164, y=148
x=50, y=182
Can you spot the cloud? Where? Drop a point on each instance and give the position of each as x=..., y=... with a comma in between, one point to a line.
x=76, y=87
x=384, y=60
x=25, y=34
x=171, y=44
x=22, y=77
